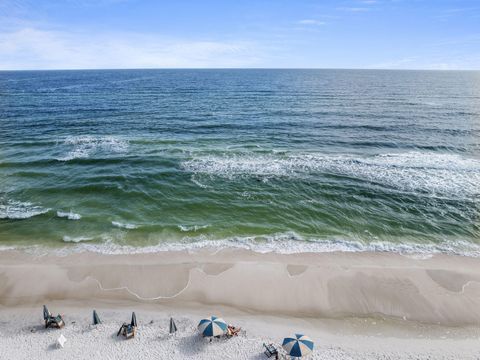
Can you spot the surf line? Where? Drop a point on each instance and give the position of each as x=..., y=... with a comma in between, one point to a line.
x=137, y=295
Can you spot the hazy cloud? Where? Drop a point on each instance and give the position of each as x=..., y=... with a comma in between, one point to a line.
x=31, y=48
x=441, y=63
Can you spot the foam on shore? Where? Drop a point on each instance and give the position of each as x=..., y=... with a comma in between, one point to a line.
x=281, y=243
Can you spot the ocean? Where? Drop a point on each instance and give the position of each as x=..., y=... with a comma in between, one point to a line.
x=122, y=161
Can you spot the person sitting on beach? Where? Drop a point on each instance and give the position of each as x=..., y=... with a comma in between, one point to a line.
x=233, y=331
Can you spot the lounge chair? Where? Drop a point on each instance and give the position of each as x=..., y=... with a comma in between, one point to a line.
x=270, y=350
x=52, y=321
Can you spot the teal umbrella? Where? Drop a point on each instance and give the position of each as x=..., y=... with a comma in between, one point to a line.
x=96, y=319
x=298, y=345
x=134, y=320
x=46, y=313
x=212, y=326
x=173, y=326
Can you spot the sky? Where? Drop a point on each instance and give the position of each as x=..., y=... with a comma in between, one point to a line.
x=365, y=34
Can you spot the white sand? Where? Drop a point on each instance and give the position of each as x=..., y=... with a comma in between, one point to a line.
x=354, y=306
x=353, y=339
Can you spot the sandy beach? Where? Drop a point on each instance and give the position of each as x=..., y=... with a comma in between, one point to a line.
x=353, y=305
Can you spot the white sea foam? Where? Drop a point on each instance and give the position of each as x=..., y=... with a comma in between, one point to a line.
x=192, y=228
x=428, y=172
x=198, y=183
x=86, y=146
x=76, y=239
x=69, y=215
x=124, y=225
x=282, y=243
x=12, y=209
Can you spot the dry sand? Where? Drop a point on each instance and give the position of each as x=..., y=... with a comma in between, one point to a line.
x=354, y=305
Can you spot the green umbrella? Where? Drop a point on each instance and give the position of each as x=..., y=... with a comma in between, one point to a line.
x=96, y=319
x=173, y=327
x=46, y=313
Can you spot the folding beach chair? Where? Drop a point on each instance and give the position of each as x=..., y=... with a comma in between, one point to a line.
x=128, y=330
x=52, y=321
x=270, y=351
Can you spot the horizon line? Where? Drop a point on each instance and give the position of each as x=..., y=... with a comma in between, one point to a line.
x=240, y=68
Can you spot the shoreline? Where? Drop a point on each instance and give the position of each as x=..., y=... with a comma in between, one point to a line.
x=285, y=243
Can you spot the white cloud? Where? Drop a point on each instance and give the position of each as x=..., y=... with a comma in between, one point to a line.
x=311, y=22
x=353, y=9
x=32, y=48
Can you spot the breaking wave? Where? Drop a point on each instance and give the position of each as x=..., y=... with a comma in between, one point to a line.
x=186, y=228
x=433, y=173
x=20, y=210
x=86, y=146
x=76, y=239
x=124, y=225
x=68, y=215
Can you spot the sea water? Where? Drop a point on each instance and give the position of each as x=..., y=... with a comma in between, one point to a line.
x=271, y=160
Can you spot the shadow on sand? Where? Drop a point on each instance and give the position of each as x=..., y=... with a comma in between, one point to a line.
x=192, y=345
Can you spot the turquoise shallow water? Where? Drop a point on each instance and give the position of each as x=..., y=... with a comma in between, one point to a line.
x=287, y=160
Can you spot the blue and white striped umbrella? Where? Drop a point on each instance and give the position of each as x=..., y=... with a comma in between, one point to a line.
x=298, y=346
x=212, y=326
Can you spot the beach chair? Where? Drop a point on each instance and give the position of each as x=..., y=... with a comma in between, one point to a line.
x=270, y=350
x=128, y=330
x=52, y=321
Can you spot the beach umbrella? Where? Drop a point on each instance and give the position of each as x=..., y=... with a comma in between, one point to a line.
x=212, y=326
x=96, y=319
x=173, y=327
x=46, y=313
x=298, y=345
x=134, y=320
